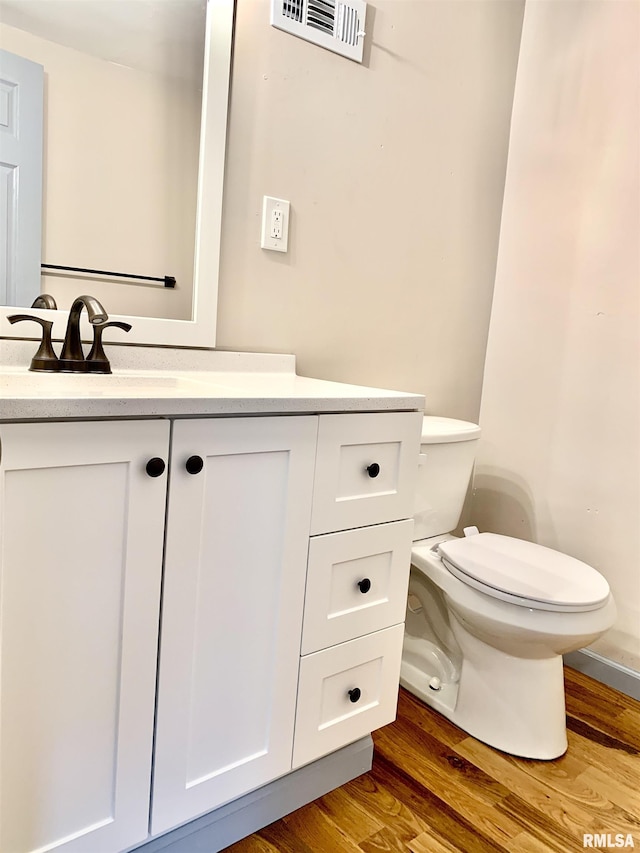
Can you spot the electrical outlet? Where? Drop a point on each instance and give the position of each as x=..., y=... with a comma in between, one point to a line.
x=277, y=218
x=275, y=224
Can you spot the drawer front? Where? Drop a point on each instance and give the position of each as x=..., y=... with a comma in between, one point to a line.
x=356, y=583
x=366, y=469
x=328, y=715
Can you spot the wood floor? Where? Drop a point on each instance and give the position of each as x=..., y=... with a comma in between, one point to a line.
x=434, y=789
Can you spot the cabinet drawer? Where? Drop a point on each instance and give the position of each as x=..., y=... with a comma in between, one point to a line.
x=366, y=468
x=356, y=583
x=330, y=712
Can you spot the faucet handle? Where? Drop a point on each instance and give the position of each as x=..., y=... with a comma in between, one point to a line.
x=45, y=359
x=97, y=361
x=45, y=300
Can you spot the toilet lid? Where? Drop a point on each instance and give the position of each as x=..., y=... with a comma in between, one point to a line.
x=504, y=567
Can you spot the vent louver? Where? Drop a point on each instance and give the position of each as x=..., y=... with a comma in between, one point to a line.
x=293, y=9
x=333, y=24
x=321, y=15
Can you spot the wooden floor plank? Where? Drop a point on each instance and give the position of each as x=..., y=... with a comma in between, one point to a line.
x=434, y=789
x=598, y=692
x=281, y=838
x=624, y=729
x=314, y=828
x=579, y=691
x=385, y=841
x=357, y=822
x=600, y=752
x=525, y=843
x=611, y=787
x=426, y=843
x=568, y=811
x=560, y=774
x=371, y=794
x=555, y=836
x=442, y=820
x=472, y=793
x=254, y=844
x=439, y=764
x=629, y=726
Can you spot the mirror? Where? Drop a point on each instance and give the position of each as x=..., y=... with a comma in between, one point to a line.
x=133, y=157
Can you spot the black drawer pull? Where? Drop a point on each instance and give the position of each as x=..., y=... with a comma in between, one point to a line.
x=373, y=470
x=365, y=585
x=155, y=467
x=194, y=464
x=354, y=694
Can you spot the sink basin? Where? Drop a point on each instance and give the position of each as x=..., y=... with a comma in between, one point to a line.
x=22, y=383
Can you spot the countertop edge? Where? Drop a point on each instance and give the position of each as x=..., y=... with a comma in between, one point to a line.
x=108, y=408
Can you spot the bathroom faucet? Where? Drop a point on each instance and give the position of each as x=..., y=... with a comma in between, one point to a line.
x=72, y=357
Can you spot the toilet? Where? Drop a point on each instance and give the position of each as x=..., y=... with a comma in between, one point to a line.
x=489, y=616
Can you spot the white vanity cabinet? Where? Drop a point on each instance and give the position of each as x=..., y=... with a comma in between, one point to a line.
x=81, y=525
x=286, y=558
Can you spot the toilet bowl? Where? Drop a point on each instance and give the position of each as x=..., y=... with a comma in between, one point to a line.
x=489, y=617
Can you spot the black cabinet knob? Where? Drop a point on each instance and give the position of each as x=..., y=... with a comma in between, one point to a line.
x=354, y=694
x=365, y=585
x=194, y=464
x=155, y=467
x=373, y=470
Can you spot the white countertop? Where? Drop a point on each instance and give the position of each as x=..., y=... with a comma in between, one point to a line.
x=164, y=382
x=215, y=383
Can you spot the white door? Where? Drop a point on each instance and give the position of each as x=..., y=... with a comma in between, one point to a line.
x=81, y=527
x=21, y=111
x=235, y=564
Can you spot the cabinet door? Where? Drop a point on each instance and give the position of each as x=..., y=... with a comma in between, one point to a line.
x=80, y=568
x=237, y=537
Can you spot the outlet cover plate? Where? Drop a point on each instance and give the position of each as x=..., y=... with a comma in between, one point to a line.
x=270, y=206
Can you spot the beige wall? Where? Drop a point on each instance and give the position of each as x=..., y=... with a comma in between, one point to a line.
x=395, y=172
x=559, y=459
x=120, y=174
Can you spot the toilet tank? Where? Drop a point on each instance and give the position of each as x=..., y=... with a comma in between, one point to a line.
x=447, y=452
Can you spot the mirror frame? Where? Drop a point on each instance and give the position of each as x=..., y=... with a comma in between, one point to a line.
x=200, y=331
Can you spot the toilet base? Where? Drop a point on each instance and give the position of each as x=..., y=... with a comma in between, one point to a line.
x=513, y=704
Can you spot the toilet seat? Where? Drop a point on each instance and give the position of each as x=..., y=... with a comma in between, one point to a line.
x=524, y=573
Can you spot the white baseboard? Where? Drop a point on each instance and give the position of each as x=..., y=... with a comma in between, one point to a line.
x=607, y=671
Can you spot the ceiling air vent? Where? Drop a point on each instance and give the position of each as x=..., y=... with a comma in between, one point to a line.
x=329, y=23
